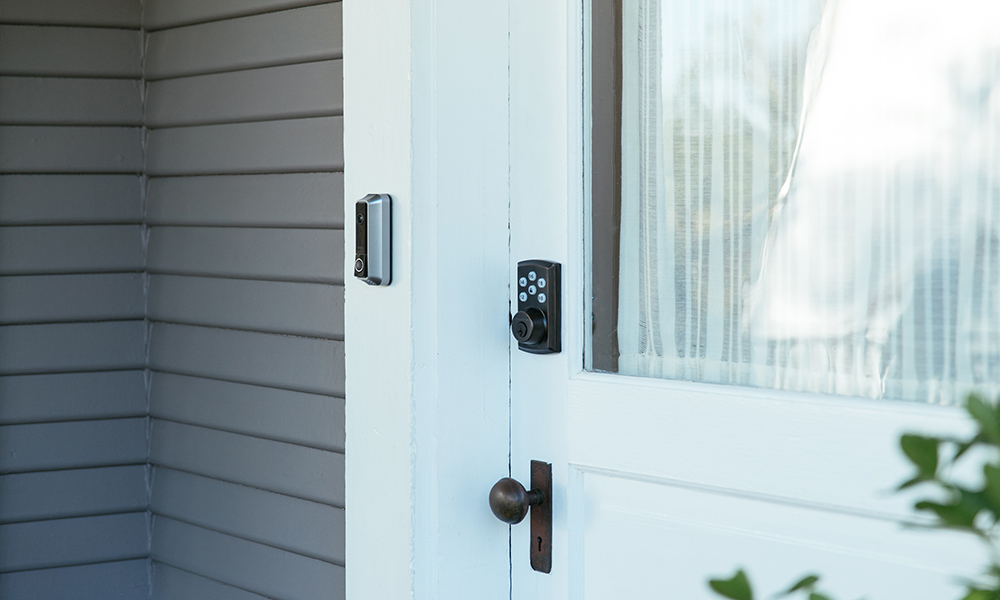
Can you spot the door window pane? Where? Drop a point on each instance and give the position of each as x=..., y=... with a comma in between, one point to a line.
x=797, y=194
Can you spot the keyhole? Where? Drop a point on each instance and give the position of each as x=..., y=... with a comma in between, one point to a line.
x=539, y=544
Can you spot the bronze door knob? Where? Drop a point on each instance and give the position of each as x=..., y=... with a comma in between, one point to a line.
x=510, y=501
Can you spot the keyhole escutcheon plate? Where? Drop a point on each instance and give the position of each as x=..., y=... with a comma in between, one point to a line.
x=541, y=518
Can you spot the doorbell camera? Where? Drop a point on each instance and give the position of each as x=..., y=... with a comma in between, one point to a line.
x=373, y=239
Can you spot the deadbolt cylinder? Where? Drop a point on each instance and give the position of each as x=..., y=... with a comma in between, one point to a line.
x=528, y=327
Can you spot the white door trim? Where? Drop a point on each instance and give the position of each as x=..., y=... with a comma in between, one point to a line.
x=427, y=419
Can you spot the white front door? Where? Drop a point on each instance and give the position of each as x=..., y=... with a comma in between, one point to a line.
x=661, y=484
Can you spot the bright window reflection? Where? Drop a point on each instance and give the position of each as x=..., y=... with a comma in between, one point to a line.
x=809, y=196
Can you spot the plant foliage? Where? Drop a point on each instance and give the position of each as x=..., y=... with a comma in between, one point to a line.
x=974, y=510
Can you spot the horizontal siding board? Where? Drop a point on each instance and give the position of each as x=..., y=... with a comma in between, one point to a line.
x=70, y=51
x=174, y=584
x=300, y=526
x=270, y=413
x=81, y=444
x=123, y=580
x=283, y=200
x=287, y=92
x=72, y=396
x=308, y=255
x=160, y=14
x=268, y=571
x=70, y=101
x=293, y=363
x=77, y=541
x=70, y=199
x=63, y=298
x=307, y=309
x=294, y=145
x=56, y=149
x=307, y=473
x=37, y=250
x=67, y=347
x=299, y=35
x=104, y=13
x=74, y=493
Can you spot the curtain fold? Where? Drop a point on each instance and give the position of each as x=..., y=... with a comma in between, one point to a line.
x=811, y=195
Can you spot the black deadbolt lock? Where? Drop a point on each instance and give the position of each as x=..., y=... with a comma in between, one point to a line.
x=536, y=326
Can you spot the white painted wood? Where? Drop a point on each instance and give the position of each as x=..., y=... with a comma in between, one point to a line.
x=70, y=51
x=160, y=14
x=82, y=444
x=68, y=347
x=307, y=473
x=81, y=541
x=304, y=34
x=27, y=149
x=312, y=89
x=287, y=146
x=103, y=13
x=304, y=255
x=427, y=388
x=73, y=493
x=70, y=199
x=308, y=528
x=253, y=567
x=661, y=485
x=314, y=200
x=70, y=249
x=65, y=298
x=125, y=580
x=70, y=101
x=72, y=396
x=174, y=584
x=265, y=412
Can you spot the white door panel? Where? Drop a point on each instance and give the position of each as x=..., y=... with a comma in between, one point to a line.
x=660, y=485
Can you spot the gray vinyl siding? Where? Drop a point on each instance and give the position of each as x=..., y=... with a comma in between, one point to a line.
x=73, y=399
x=245, y=298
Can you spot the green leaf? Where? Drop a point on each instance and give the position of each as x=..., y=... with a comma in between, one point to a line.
x=959, y=513
x=736, y=588
x=986, y=416
x=922, y=452
x=992, y=489
x=978, y=594
x=818, y=596
x=806, y=583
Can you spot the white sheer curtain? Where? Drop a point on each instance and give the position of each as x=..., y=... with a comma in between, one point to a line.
x=811, y=195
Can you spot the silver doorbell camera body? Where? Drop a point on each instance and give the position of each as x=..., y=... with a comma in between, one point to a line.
x=373, y=239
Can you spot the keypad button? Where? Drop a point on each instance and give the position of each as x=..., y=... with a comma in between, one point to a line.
x=532, y=276
x=532, y=290
x=541, y=282
x=522, y=282
x=522, y=297
x=541, y=298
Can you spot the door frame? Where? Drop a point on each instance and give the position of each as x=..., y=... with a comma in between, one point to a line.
x=427, y=358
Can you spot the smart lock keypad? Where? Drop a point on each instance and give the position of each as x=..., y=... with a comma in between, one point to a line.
x=537, y=324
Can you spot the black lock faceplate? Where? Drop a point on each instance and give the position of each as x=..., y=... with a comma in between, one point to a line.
x=538, y=286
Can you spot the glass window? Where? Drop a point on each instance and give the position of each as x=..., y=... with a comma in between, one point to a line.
x=797, y=194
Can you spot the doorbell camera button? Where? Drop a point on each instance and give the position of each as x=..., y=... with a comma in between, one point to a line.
x=359, y=265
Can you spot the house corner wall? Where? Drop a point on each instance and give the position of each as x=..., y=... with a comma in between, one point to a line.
x=245, y=260
x=73, y=426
